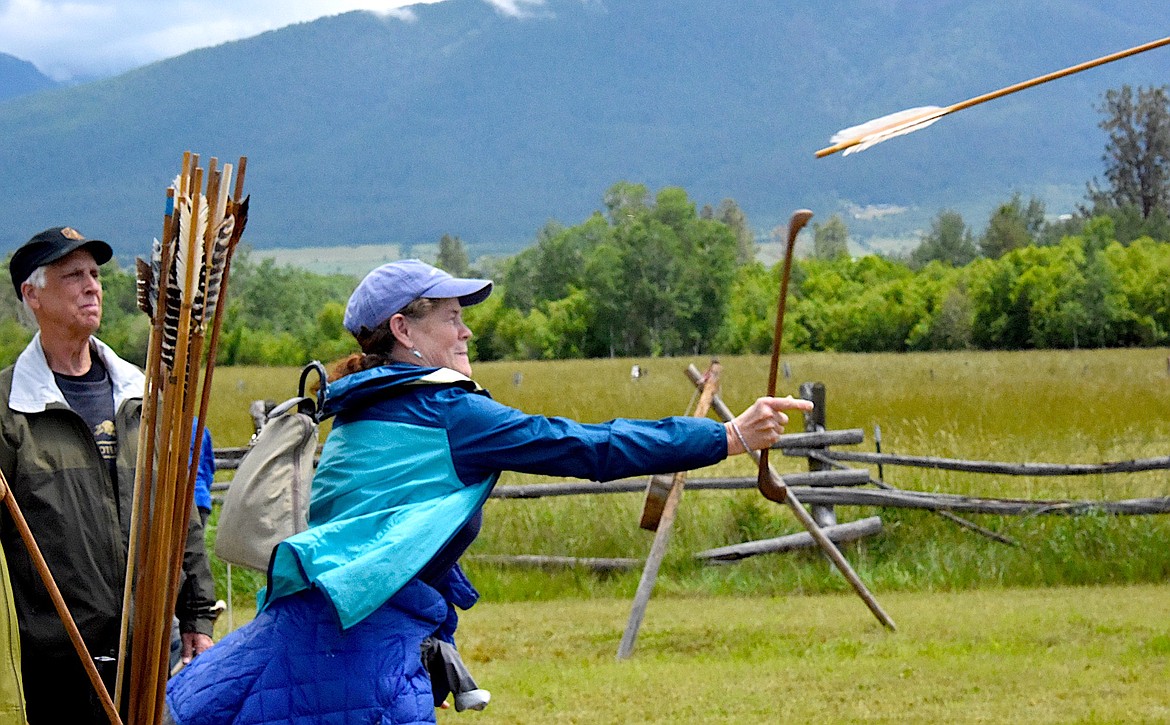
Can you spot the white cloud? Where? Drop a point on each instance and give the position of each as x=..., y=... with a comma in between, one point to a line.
x=68, y=39
x=869, y=212
x=516, y=8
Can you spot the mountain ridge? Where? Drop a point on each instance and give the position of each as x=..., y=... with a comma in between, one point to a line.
x=18, y=77
x=368, y=130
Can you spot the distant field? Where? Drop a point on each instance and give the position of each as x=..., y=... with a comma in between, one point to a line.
x=355, y=260
x=358, y=259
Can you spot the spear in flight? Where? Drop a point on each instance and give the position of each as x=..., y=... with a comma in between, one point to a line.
x=861, y=137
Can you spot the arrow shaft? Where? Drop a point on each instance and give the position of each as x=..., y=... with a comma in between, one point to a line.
x=1016, y=87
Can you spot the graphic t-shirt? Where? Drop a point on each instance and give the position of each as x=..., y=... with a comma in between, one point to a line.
x=92, y=397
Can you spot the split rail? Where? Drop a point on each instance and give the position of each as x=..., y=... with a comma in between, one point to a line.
x=829, y=482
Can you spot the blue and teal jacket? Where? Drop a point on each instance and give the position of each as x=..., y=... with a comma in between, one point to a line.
x=414, y=453
x=412, y=456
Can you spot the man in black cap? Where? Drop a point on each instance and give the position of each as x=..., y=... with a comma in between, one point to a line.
x=70, y=410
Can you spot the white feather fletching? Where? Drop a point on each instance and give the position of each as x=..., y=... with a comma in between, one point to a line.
x=156, y=264
x=887, y=127
x=188, y=248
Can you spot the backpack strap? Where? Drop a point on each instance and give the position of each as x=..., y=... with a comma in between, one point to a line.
x=312, y=407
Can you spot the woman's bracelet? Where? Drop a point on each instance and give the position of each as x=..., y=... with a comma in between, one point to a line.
x=739, y=435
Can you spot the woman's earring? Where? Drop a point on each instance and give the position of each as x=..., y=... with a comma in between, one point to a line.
x=416, y=353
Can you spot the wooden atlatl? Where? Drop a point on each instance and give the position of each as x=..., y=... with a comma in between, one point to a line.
x=767, y=483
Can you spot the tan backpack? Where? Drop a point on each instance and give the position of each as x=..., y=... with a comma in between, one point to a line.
x=268, y=499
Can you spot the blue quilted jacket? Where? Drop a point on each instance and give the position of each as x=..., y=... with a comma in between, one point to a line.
x=294, y=665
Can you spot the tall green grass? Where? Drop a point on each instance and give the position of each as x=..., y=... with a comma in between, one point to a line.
x=1049, y=406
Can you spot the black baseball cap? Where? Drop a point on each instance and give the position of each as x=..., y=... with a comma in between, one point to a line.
x=49, y=246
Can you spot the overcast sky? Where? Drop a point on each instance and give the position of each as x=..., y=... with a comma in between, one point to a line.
x=69, y=39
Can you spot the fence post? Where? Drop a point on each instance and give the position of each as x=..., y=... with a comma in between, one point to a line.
x=814, y=421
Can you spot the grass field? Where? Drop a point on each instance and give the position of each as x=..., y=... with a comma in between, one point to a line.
x=1060, y=655
x=1079, y=405
x=354, y=260
x=1068, y=627
x=1059, y=407
x=1053, y=655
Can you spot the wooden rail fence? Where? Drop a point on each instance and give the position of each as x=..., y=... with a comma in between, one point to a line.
x=829, y=483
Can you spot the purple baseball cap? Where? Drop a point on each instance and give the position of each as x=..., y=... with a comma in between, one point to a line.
x=389, y=288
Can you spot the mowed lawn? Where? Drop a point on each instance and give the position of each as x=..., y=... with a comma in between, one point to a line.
x=1060, y=655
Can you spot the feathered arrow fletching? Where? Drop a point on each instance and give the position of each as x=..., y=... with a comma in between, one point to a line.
x=240, y=214
x=170, y=328
x=189, y=246
x=859, y=138
x=144, y=286
x=188, y=250
x=206, y=300
x=887, y=127
x=148, y=274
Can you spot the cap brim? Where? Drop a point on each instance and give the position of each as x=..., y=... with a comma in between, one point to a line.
x=101, y=251
x=467, y=291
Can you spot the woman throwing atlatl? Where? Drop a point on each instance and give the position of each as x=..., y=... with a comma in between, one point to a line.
x=415, y=449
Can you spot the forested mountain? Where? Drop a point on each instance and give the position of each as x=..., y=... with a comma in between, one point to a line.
x=19, y=77
x=465, y=121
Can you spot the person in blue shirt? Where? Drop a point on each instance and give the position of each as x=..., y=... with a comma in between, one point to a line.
x=205, y=476
x=415, y=448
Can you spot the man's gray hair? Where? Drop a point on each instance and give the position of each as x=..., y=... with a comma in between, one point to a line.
x=39, y=280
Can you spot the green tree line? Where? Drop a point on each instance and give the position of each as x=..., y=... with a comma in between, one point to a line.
x=587, y=291
x=654, y=275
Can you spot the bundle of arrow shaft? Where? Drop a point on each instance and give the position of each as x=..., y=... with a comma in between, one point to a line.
x=182, y=289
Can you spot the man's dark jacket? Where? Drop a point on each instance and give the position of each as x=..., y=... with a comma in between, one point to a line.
x=78, y=515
